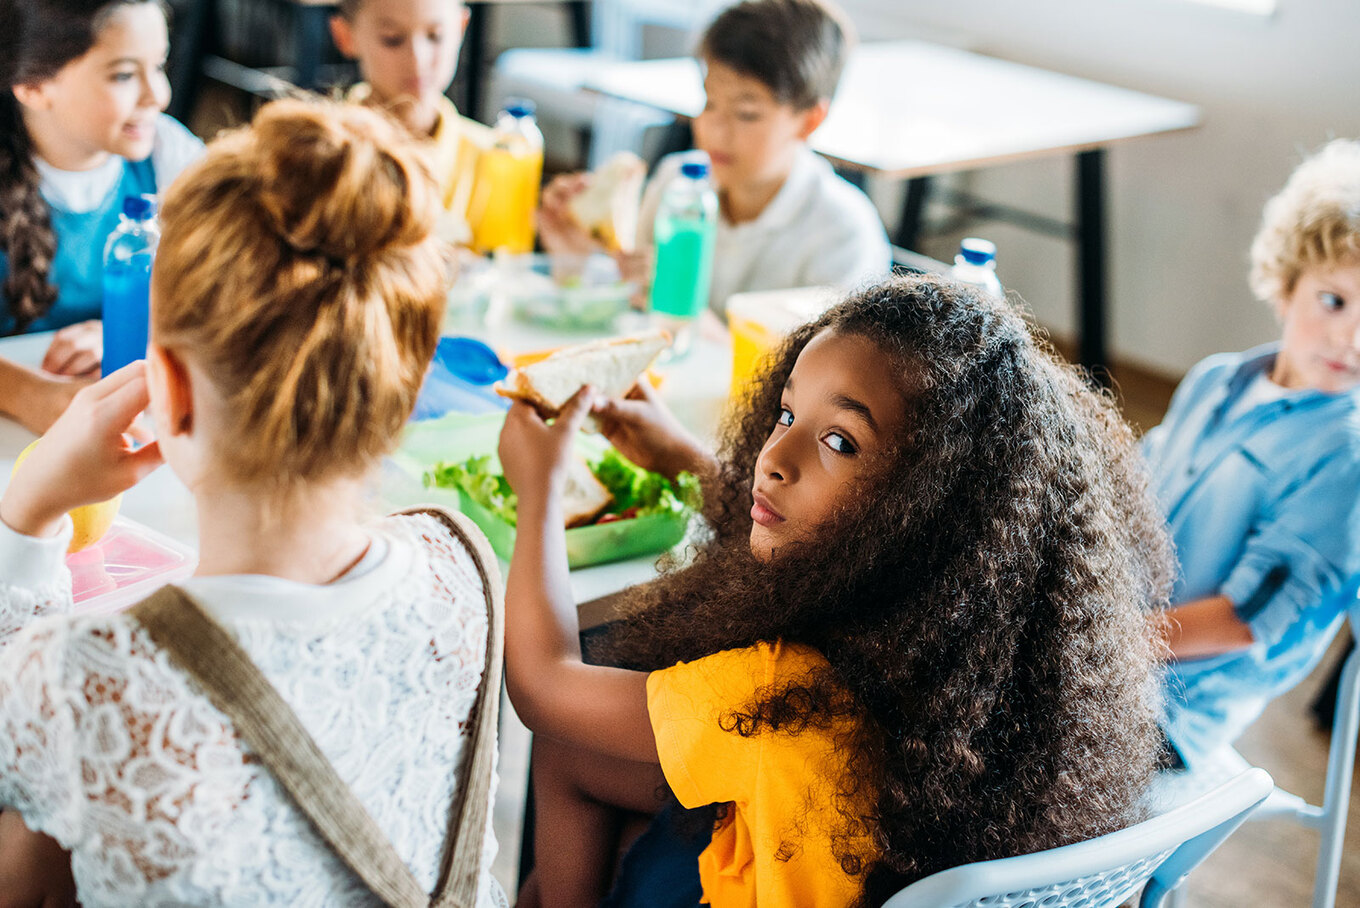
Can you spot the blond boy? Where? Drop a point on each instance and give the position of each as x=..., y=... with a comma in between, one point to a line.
x=1258, y=464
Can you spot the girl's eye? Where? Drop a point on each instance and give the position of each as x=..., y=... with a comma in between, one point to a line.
x=785, y=416
x=435, y=36
x=840, y=444
x=124, y=76
x=1331, y=302
x=748, y=116
x=392, y=41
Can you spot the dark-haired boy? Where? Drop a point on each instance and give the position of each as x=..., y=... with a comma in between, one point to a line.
x=787, y=220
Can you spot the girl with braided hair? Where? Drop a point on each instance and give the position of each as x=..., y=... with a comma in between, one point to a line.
x=81, y=127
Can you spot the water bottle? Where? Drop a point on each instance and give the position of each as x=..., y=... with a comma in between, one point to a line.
x=684, y=233
x=505, y=188
x=127, y=282
x=976, y=264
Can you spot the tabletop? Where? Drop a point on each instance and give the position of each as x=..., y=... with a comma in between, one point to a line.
x=695, y=387
x=909, y=108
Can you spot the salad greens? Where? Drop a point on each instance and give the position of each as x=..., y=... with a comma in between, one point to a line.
x=637, y=492
x=474, y=477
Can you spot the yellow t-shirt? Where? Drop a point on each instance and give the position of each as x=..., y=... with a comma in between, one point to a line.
x=453, y=151
x=774, y=847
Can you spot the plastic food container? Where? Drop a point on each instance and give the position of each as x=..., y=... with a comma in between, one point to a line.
x=570, y=292
x=458, y=437
x=131, y=562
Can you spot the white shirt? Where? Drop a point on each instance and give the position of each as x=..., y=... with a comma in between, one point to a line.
x=818, y=230
x=79, y=191
x=112, y=751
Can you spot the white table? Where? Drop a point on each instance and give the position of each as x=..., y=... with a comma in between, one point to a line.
x=696, y=388
x=910, y=110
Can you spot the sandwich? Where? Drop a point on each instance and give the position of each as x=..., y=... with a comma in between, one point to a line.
x=612, y=366
x=584, y=497
x=608, y=207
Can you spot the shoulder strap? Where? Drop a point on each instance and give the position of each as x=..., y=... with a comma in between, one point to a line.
x=205, y=651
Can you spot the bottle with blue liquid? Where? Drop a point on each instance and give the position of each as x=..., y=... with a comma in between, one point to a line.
x=127, y=282
x=684, y=233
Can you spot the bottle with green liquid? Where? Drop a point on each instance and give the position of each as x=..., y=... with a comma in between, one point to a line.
x=684, y=233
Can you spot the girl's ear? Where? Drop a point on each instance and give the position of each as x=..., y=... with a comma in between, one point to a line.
x=171, y=389
x=342, y=33
x=33, y=96
x=813, y=117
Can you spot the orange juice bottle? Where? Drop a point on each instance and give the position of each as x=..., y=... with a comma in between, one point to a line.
x=505, y=190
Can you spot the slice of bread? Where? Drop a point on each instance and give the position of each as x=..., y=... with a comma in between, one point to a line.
x=608, y=207
x=611, y=366
x=583, y=496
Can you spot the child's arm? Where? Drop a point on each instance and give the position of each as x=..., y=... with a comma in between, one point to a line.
x=649, y=435
x=85, y=457
x=1206, y=627
x=554, y=692
x=33, y=399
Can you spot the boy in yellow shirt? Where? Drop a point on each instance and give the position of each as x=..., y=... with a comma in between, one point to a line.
x=407, y=52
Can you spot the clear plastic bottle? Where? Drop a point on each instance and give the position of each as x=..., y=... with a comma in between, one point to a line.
x=684, y=233
x=505, y=191
x=976, y=264
x=127, y=282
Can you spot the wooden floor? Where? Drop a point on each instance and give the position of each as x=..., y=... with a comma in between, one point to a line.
x=1267, y=864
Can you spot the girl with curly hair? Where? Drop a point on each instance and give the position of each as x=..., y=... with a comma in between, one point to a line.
x=918, y=631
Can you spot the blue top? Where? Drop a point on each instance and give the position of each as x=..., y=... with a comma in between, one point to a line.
x=78, y=267
x=1263, y=508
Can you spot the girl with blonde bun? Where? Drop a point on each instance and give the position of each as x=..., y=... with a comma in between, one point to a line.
x=295, y=307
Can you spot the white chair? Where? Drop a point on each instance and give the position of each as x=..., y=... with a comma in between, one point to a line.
x=1152, y=856
x=1329, y=818
x=553, y=76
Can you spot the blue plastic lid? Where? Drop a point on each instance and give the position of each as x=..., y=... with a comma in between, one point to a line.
x=695, y=170
x=470, y=360
x=977, y=251
x=519, y=108
x=139, y=207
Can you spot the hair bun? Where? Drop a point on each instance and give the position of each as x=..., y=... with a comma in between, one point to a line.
x=339, y=180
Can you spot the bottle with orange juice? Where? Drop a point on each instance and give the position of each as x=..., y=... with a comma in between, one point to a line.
x=505, y=193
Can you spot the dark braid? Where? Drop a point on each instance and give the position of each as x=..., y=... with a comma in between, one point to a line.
x=37, y=39
x=26, y=234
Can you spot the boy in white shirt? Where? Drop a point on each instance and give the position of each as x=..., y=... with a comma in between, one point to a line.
x=786, y=219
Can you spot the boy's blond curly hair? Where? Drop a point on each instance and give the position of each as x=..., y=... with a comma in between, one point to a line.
x=1313, y=221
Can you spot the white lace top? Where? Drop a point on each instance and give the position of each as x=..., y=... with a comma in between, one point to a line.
x=109, y=749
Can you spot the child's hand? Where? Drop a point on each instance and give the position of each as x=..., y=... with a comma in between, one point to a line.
x=557, y=228
x=76, y=350
x=534, y=455
x=648, y=434
x=87, y=455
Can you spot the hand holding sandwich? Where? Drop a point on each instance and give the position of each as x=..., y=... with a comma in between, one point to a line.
x=641, y=427
x=536, y=455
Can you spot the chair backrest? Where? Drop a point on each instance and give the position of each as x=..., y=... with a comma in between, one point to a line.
x=1336, y=800
x=1103, y=872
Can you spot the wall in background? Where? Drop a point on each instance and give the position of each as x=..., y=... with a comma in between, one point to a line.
x=1182, y=208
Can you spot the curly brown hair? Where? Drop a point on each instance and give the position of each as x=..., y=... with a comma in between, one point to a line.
x=987, y=601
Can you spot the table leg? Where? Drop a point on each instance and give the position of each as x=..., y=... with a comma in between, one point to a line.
x=909, y=228
x=1090, y=224
x=311, y=39
x=579, y=12
x=473, y=59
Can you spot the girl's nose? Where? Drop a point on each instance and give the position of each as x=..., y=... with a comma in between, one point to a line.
x=775, y=460
x=156, y=90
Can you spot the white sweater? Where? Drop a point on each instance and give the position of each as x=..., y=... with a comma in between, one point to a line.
x=112, y=751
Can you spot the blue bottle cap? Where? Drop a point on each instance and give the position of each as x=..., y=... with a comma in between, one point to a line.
x=519, y=108
x=695, y=170
x=977, y=251
x=139, y=207
x=471, y=360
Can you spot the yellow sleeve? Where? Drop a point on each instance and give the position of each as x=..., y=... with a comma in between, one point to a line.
x=689, y=704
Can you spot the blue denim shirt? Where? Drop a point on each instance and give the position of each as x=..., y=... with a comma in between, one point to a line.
x=1263, y=508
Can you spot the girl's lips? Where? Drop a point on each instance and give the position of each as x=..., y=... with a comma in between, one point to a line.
x=763, y=514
